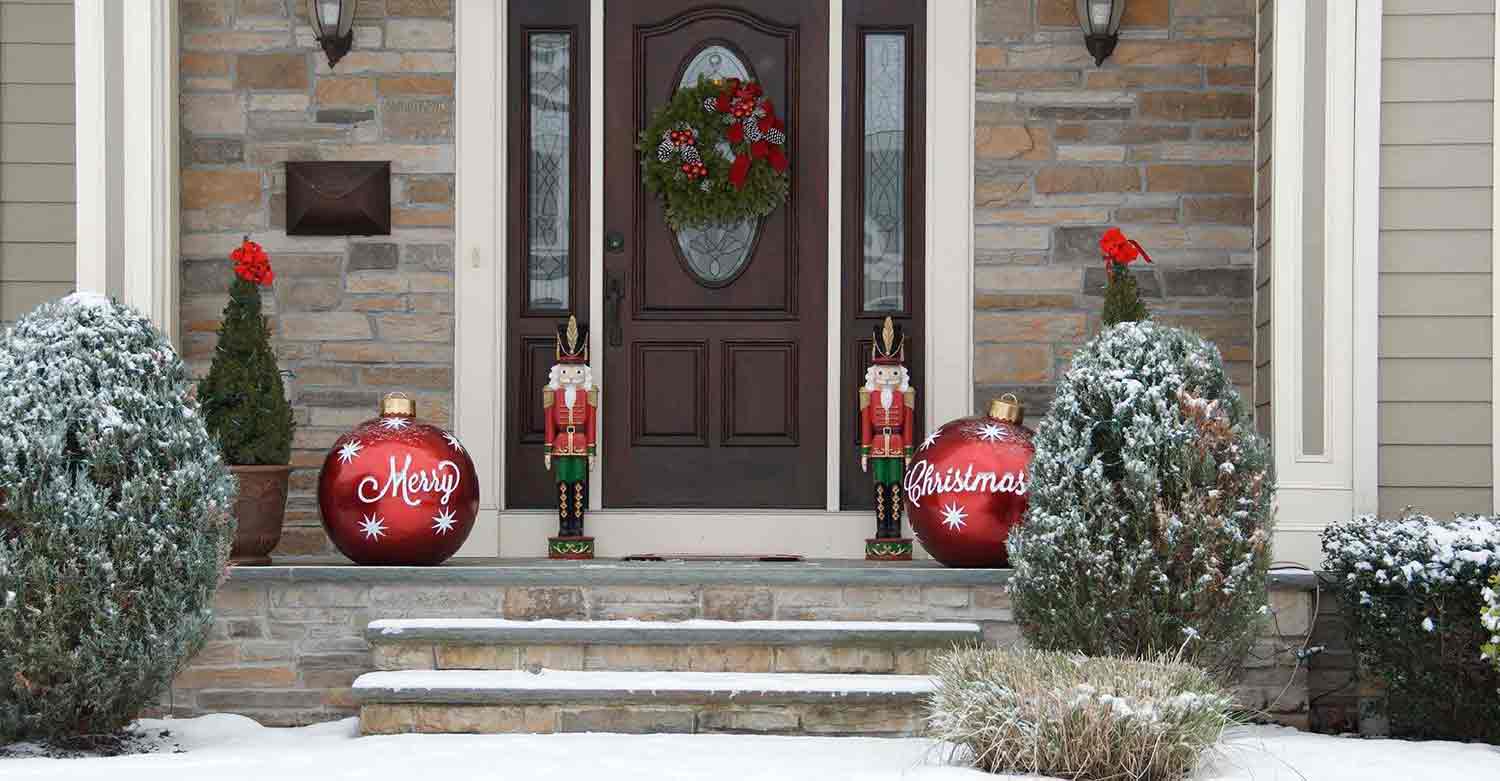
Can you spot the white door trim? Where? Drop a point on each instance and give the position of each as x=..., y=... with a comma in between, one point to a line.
x=479, y=362
x=125, y=59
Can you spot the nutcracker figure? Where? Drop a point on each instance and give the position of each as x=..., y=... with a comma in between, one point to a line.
x=570, y=405
x=885, y=423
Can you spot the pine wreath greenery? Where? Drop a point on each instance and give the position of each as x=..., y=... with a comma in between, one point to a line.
x=710, y=197
x=114, y=520
x=244, y=402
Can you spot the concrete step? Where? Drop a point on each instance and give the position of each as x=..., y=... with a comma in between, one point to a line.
x=870, y=647
x=500, y=701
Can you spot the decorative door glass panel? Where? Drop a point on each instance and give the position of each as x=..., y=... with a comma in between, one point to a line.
x=884, y=172
x=717, y=254
x=548, y=190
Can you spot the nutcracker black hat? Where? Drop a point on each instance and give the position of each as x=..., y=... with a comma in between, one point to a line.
x=572, y=342
x=889, y=348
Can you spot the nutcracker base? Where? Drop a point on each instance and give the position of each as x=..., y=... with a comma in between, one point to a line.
x=575, y=548
x=888, y=549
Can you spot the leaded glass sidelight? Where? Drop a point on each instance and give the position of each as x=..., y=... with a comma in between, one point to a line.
x=717, y=254
x=885, y=172
x=547, y=185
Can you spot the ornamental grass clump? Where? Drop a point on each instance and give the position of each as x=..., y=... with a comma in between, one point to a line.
x=1149, y=524
x=1409, y=588
x=1075, y=717
x=115, y=522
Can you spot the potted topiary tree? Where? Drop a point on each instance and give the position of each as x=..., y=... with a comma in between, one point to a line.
x=245, y=407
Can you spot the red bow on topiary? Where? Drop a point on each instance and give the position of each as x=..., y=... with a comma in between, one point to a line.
x=1119, y=250
x=252, y=264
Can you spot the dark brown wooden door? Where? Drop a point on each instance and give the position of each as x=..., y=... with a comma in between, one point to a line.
x=715, y=388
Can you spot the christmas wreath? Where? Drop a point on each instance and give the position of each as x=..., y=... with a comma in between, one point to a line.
x=716, y=154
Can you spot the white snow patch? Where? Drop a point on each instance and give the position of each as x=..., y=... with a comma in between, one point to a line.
x=234, y=748
x=86, y=298
x=657, y=682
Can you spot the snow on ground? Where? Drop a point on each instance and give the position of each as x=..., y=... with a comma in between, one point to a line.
x=234, y=748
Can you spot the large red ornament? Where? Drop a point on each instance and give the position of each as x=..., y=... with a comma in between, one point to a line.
x=967, y=485
x=395, y=491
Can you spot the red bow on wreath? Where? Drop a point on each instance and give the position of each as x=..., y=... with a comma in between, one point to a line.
x=252, y=264
x=754, y=120
x=1119, y=250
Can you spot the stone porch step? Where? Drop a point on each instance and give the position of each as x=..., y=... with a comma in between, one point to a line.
x=870, y=647
x=497, y=701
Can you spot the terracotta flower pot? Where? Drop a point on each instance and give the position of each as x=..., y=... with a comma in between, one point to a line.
x=259, y=511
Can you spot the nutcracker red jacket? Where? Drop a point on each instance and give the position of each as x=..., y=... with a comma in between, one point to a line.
x=570, y=429
x=885, y=431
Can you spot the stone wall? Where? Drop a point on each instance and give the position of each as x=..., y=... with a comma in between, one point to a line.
x=352, y=318
x=288, y=642
x=1157, y=141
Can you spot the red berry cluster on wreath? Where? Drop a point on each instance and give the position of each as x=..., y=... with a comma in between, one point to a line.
x=742, y=99
x=252, y=264
x=695, y=169
x=683, y=137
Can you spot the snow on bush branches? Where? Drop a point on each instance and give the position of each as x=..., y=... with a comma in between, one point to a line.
x=1069, y=716
x=1409, y=587
x=1150, y=516
x=115, y=522
x=1489, y=615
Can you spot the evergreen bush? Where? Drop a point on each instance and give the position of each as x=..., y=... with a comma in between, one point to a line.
x=1068, y=716
x=115, y=523
x=1409, y=588
x=1122, y=298
x=244, y=402
x=1149, y=524
x=1489, y=615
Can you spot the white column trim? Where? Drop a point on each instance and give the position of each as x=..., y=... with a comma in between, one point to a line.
x=1365, y=388
x=1319, y=488
x=597, y=352
x=149, y=160
x=91, y=67
x=479, y=219
x=1495, y=283
x=949, y=350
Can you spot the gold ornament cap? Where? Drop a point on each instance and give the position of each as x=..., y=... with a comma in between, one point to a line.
x=1008, y=408
x=399, y=405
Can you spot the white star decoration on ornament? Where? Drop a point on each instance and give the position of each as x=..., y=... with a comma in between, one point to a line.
x=453, y=442
x=930, y=438
x=990, y=432
x=395, y=424
x=349, y=450
x=372, y=526
x=442, y=523
x=953, y=516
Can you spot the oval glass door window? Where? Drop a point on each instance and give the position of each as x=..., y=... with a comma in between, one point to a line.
x=716, y=254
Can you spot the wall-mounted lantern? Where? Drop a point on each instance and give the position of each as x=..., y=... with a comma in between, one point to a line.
x=1101, y=26
x=333, y=26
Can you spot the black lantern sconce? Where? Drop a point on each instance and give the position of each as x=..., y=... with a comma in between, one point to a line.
x=1101, y=26
x=333, y=26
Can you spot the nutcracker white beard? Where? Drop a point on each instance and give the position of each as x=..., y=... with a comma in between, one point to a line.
x=556, y=381
x=872, y=385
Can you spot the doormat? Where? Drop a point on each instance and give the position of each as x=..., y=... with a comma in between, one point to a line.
x=700, y=557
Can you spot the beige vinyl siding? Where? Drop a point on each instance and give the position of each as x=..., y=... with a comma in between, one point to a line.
x=1263, y=296
x=37, y=211
x=1436, y=333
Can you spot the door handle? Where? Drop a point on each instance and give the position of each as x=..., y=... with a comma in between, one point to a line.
x=614, y=295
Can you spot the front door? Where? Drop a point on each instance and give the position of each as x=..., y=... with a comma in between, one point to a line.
x=716, y=350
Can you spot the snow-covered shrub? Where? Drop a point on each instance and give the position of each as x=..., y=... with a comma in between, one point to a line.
x=1409, y=587
x=115, y=524
x=1070, y=716
x=1150, y=516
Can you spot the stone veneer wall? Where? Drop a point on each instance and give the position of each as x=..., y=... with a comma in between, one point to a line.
x=351, y=318
x=1157, y=141
x=288, y=642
